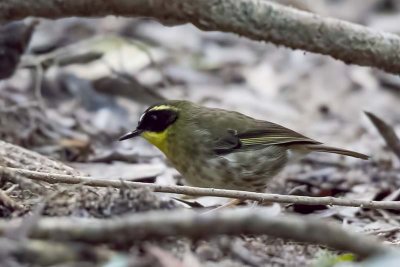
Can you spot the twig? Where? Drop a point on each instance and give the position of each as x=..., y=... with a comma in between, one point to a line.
x=26, y=184
x=161, y=224
x=197, y=191
x=21, y=233
x=383, y=231
x=39, y=76
x=392, y=196
x=165, y=258
x=237, y=248
x=45, y=253
x=57, y=58
x=14, y=38
x=255, y=19
x=387, y=132
x=16, y=107
x=9, y=202
x=19, y=157
x=142, y=47
x=388, y=217
x=77, y=53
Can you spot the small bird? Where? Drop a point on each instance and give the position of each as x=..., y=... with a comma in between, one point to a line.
x=223, y=149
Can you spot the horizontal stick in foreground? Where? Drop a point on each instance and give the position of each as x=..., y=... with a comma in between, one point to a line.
x=160, y=224
x=197, y=191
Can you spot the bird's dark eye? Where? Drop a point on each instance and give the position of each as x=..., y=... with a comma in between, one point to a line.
x=157, y=120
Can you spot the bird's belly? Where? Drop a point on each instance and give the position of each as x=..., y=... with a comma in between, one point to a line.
x=248, y=170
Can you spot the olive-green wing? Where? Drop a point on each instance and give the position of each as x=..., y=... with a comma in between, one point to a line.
x=261, y=135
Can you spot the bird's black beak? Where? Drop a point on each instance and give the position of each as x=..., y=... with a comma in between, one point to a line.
x=130, y=135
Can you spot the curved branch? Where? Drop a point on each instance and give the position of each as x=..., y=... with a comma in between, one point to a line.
x=197, y=191
x=255, y=19
x=160, y=224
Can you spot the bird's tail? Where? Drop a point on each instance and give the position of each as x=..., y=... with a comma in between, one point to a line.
x=328, y=149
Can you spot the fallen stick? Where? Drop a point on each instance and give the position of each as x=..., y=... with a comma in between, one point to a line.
x=387, y=132
x=7, y=201
x=18, y=157
x=161, y=224
x=255, y=19
x=198, y=191
x=46, y=253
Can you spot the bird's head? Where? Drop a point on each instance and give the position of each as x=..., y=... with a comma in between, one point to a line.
x=155, y=123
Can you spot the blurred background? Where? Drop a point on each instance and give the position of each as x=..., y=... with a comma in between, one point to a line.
x=81, y=83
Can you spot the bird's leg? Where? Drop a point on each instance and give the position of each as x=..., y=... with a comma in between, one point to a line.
x=229, y=204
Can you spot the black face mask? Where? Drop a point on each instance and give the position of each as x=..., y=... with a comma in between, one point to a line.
x=153, y=121
x=157, y=120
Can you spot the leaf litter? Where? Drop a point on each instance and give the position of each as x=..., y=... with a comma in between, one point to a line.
x=90, y=99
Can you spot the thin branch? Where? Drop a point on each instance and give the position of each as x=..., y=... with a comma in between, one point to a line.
x=22, y=232
x=14, y=38
x=197, y=191
x=386, y=231
x=80, y=52
x=255, y=19
x=19, y=106
x=9, y=202
x=19, y=157
x=38, y=78
x=387, y=132
x=46, y=253
x=160, y=224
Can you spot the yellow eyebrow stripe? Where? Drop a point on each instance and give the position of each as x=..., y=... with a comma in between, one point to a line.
x=163, y=107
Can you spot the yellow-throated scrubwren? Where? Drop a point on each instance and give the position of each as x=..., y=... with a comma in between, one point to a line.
x=223, y=149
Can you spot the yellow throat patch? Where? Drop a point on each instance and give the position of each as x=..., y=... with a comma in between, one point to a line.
x=157, y=139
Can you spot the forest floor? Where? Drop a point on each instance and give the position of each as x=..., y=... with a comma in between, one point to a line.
x=74, y=113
